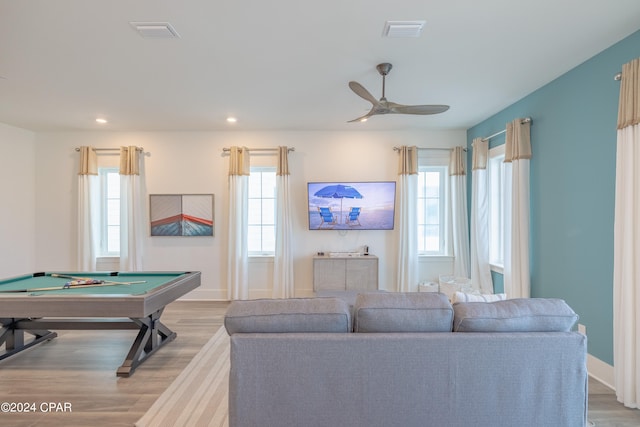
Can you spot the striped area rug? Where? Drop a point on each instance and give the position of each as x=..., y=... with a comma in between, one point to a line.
x=199, y=395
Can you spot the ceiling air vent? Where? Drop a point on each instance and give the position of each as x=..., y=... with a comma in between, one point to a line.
x=403, y=28
x=155, y=29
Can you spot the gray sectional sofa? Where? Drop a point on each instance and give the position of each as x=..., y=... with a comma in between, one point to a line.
x=405, y=359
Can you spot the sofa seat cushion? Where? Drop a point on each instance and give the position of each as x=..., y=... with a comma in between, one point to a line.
x=514, y=315
x=402, y=312
x=288, y=315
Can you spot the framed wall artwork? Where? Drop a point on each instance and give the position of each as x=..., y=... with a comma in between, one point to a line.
x=181, y=214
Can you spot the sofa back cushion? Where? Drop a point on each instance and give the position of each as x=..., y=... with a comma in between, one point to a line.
x=514, y=315
x=288, y=315
x=402, y=312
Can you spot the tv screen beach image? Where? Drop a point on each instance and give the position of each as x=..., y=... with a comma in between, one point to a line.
x=351, y=205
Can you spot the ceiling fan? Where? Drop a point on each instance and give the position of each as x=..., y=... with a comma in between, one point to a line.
x=386, y=107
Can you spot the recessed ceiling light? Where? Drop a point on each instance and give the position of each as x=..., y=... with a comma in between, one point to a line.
x=403, y=28
x=101, y=120
x=155, y=29
x=231, y=119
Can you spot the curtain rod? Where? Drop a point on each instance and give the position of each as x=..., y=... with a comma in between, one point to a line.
x=110, y=149
x=226, y=149
x=525, y=120
x=429, y=148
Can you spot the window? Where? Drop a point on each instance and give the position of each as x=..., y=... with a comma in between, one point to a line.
x=496, y=175
x=109, y=211
x=262, y=211
x=432, y=185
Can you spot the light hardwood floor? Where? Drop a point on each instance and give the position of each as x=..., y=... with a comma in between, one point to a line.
x=78, y=368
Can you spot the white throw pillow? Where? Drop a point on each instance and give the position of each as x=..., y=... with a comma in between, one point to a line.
x=464, y=297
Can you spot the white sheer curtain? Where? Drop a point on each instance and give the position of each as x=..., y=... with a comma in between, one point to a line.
x=517, y=281
x=131, y=211
x=88, y=198
x=237, y=263
x=408, y=219
x=459, y=222
x=480, y=268
x=626, y=251
x=283, y=286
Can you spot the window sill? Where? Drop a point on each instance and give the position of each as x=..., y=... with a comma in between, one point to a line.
x=261, y=258
x=435, y=260
x=497, y=268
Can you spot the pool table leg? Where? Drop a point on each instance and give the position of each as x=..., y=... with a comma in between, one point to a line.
x=152, y=336
x=13, y=338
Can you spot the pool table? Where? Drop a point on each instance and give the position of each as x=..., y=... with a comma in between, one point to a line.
x=38, y=303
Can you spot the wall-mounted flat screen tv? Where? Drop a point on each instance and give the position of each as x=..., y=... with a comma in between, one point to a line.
x=351, y=205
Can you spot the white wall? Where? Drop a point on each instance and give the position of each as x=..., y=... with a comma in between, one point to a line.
x=192, y=162
x=18, y=203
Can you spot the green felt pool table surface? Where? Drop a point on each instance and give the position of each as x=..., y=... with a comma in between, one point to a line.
x=33, y=304
x=135, y=300
x=150, y=281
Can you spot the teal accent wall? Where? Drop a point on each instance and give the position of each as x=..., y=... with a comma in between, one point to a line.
x=573, y=138
x=498, y=282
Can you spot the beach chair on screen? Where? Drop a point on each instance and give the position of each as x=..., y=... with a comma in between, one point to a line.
x=327, y=217
x=353, y=217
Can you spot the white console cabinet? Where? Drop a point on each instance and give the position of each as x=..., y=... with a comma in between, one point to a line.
x=348, y=273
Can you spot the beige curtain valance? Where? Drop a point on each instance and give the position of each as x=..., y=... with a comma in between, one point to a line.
x=629, y=104
x=239, y=161
x=129, y=161
x=480, y=154
x=283, y=161
x=518, y=141
x=456, y=162
x=408, y=160
x=88, y=161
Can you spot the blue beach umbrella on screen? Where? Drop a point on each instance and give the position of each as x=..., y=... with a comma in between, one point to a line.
x=338, y=191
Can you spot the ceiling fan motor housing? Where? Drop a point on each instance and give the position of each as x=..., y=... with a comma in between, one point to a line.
x=384, y=68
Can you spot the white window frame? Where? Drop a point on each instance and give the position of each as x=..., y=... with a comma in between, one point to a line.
x=436, y=161
x=497, y=200
x=103, y=247
x=263, y=252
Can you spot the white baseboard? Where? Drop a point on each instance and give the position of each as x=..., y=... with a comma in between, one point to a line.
x=601, y=371
x=205, y=295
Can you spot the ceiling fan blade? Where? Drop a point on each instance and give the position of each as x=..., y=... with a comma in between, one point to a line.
x=383, y=106
x=363, y=118
x=418, y=109
x=362, y=92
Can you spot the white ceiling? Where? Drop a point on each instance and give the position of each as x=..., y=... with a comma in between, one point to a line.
x=285, y=64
